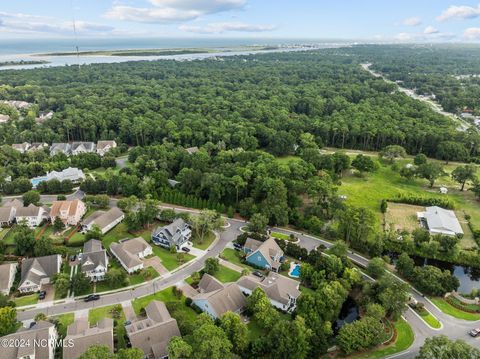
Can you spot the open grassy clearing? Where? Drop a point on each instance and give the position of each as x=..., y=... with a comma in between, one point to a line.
x=402, y=216
x=207, y=241
x=226, y=275
x=26, y=300
x=445, y=307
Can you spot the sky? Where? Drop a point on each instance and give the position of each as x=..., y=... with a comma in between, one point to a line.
x=400, y=21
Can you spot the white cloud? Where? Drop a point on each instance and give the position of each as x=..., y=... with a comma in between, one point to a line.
x=168, y=11
x=424, y=37
x=404, y=37
x=460, y=13
x=218, y=28
x=412, y=21
x=31, y=24
x=472, y=33
x=430, y=30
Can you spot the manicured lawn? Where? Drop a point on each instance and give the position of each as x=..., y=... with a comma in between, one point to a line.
x=235, y=257
x=404, y=341
x=279, y=235
x=64, y=321
x=76, y=240
x=8, y=237
x=429, y=318
x=143, y=276
x=170, y=260
x=226, y=275
x=445, y=307
x=26, y=300
x=209, y=238
x=94, y=315
x=117, y=233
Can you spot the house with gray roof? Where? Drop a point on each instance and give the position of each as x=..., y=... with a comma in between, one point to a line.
x=31, y=215
x=104, y=220
x=60, y=147
x=37, y=146
x=82, y=337
x=40, y=332
x=192, y=150
x=7, y=276
x=130, y=253
x=38, y=271
x=440, y=221
x=152, y=333
x=267, y=254
x=175, y=234
x=82, y=147
x=104, y=146
x=21, y=147
x=216, y=298
x=94, y=262
x=7, y=215
x=282, y=291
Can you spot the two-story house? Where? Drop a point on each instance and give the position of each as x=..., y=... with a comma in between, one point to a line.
x=31, y=215
x=267, y=255
x=104, y=146
x=94, y=260
x=70, y=212
x=130, y=253
x=82, y=147
x=38, y=271
x=175, y=234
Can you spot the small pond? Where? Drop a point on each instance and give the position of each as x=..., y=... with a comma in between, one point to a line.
x=348, y=314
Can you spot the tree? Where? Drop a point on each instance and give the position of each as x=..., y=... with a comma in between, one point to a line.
x=433, y=281
x=211, y=266
x=441, y=347
x=405, y=265
x=58, y=224
x=206, y=221
x=420, y=159
x=128, y=203
x=392, y=152
x=259, y=305
x=80, y=283
x=130, y=353
x=237, y=332
x=39, y=317
x=43, y=247
x=8, y=320
x=24, y=240
x=376, y=267
x=383, y=206
x=462, y=174
x=5, y=301
x=452, y=151
x=94, y=233
x=363, y=164
x=420, y=235
x=289, y=339
x=178, y=348
x=116, y=277
x=31, y=197
x=391, y=293
x=408, y=173
x=98, y=352
x=360, y=334
x=257, y=223
x=62, y=284
x=375, y=310
x=430, y=171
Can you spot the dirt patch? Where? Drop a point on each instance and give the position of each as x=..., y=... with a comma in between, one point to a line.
x=403, y=217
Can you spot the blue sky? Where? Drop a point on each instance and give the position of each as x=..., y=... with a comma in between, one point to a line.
x=407, y=21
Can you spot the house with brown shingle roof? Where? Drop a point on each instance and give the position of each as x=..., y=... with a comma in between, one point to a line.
x=282, y=291
x=82, y=336
x=104, y=220
x=38, y=342
x=104, y=146
x=267, y=255
x=70, y=212
x=152, y=333
x=130, y=253
x=216, y=298
x=7, y=276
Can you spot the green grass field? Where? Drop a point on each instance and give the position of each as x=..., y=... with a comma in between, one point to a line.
x=226, y=275
x=279, y=235
x=169, y=260
x=26, y=300
x=94, y=315
x=209, y=238
x=445, y=307
x=233, y=256
x=429, y=318
x=64, y=321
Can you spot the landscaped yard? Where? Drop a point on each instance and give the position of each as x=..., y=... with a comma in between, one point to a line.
x=137, y=278
x=94, y=315
x=234, y=256
x=279, y=235
x=209, y=238
x=226, y=275
x=26, y=300
x=445, y=307
x=170, y=260
x=64, y=321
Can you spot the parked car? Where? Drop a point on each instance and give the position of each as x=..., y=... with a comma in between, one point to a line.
x=474, y=332
x=237, y=246
x=91, y=297
x=42, y=294
x=186, y=249
x=73, y=257
x=127, y=322
x=258, y=274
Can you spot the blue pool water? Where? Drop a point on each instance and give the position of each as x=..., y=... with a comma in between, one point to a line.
x=35, y=181
x=296, y=271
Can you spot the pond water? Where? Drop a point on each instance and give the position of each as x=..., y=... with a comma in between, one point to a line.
x=348, y=314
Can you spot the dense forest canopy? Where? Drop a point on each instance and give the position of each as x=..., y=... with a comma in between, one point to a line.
x=258, y=101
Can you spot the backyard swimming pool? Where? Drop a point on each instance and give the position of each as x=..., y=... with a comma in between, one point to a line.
x=35, y=181
x=295, y=272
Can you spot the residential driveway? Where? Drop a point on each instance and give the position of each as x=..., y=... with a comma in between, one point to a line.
x=81, y=314
x=156, y=264
x=128, y=310
x=50, y=296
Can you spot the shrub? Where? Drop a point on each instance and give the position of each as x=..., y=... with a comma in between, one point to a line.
x=423, y=201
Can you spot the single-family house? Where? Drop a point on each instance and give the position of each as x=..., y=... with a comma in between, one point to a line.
x=438, y=220
x=130, y=253
x=17, y=104
x=266, y=254
x=80, y=337
x=152, y=333
x=104, y=220
x=70, y=212
x=36, y=342
x=44, y=116
x=60, y=147
x=71, y=173
x=94, y=262
x=7, y=216
x=38, y=271
x=31, y=215
x=21, y=147
x=282, y=291
x=175, y=234
x=82, y=147
x=7, y=276
x=192, y=150
x=216, y=298
x=37, y=146
x=104, y=146
x=15, y=203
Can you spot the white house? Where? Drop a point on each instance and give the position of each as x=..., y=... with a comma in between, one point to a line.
x=38, y=271
x=94, y=260
x=104, y=146
x=7, y=276
x=130, y=253
x=82, y=147
x=440, y=221
x=104, y=220
x=31, y=215
x=21, y=147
